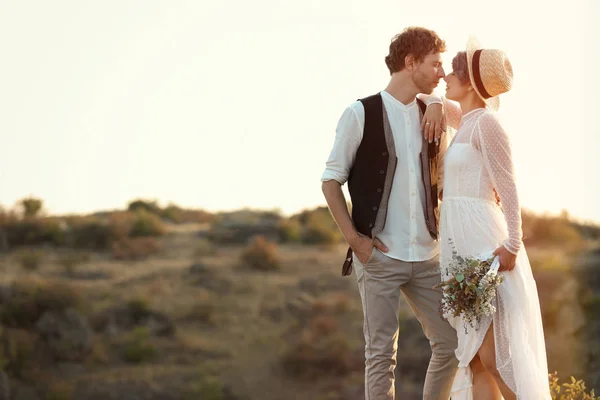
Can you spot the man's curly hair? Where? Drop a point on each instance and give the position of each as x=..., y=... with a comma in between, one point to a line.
x=416, y=41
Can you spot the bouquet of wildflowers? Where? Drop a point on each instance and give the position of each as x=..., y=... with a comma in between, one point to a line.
x=471, y=290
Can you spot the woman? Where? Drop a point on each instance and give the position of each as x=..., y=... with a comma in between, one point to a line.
x=504, y=356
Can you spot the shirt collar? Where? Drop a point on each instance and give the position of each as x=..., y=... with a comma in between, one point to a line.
x=396, y=102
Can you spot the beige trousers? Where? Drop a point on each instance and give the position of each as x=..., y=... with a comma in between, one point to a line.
x=380, y=282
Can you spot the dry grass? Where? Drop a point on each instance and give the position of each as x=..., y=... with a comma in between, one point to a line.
x=241, y=326
x=134, y=249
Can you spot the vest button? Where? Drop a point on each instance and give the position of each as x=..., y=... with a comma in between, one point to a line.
x=374, y=208
x=384, y=153
x=378, y=190
x=370, y=225
x=382, y=172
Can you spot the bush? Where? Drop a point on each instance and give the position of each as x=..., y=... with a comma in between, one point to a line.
x=144, y=205
x=146, y=224
x=33, y=232
x=261, y=254
x=30, y=299
x=138, y=308
x=31, y=207
x=207, y=388
x=320, y=228
x=574, y=390
x=137, y=348
x=135, y=248
x=173, y=214
x=92, y=234
x=317, y=226
x=290, y=230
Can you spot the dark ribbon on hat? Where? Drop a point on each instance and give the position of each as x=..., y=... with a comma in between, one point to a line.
x=477, y=75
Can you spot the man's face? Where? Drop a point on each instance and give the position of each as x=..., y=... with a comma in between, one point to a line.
x=427, y=74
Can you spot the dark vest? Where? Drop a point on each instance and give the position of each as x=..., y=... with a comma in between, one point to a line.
x=371, y=177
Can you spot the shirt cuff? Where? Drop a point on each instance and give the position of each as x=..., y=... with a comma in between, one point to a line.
x=434, y=100
x=330, y=175
x=512, y=247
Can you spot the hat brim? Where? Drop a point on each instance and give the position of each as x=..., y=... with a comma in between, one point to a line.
x=472, y=46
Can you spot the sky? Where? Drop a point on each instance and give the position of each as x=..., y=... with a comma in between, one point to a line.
x=230, y=104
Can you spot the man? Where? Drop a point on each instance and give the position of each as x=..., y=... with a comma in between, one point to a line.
x=394, y=175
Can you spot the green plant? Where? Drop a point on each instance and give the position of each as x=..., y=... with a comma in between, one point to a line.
x=290, y=230
x=150, y=206
x=138, y=308
x=207, y=388
x=31, y=206
x=137, y=349
x=146, y=224
x=91, y=233
x=319, y=227
x=32, y=298
x=574, y=390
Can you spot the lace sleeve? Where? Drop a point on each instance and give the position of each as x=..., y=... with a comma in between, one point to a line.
x=452, y=112
x=495, y=147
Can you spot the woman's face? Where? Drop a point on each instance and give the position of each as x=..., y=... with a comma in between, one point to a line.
x=455, y=89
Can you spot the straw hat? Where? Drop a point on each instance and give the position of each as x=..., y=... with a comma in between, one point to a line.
x=490, y=72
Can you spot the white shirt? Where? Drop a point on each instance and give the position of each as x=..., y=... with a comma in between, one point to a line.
x=405, y=232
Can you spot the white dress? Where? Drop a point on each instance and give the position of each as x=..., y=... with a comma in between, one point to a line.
x=477, y=162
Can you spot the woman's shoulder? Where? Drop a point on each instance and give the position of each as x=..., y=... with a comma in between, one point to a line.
x=489, y=122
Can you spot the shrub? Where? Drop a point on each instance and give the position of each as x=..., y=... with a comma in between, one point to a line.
x=138, y=308
x=91, y=233
x=146, y=224
x=144, y=205
x=172, y=213
x=137, y=349
x=261, y=254
x=31, y=232
x=574, y=390
x=321, y=229
x=317, y=226
x=207, y=388
x=31, y=207
x=290, y=230
x=30, y=299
